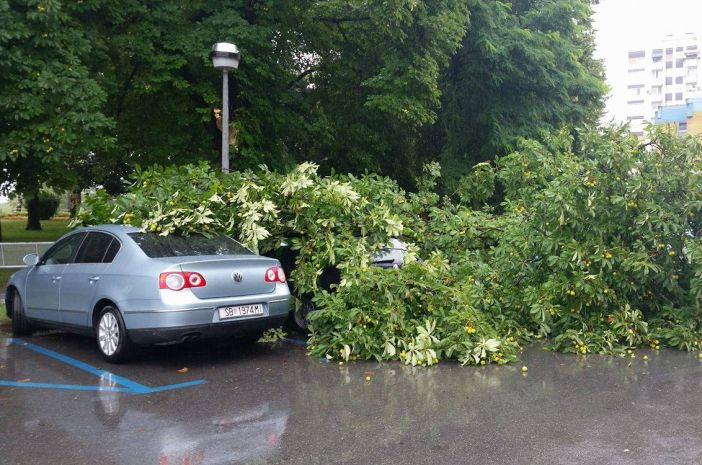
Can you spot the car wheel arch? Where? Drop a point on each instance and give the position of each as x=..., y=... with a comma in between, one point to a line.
x=97, y=308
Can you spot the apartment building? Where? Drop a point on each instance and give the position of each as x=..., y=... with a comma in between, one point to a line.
x=665, y=74
x=684, y=119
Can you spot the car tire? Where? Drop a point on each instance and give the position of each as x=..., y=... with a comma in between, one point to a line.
x=111, y=336
x=299, y=315
x=20, y=324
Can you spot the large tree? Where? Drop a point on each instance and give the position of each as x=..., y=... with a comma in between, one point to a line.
x=346, y=84
x=91, y=89
x=525, y=68
x=50, y=105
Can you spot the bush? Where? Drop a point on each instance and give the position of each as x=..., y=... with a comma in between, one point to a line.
x=49, y=203
x=594, y=246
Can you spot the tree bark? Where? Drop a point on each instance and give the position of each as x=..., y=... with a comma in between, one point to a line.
x=33, y=223
x=75, y=199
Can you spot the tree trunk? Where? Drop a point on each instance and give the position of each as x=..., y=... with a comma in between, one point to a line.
x=33, y=223
x=74, y=200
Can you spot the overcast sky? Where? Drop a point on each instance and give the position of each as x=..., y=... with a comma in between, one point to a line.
x=624, y=25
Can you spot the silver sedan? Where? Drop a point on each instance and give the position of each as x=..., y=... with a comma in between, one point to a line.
x=124, y=287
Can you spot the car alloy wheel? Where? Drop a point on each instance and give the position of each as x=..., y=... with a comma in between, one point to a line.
x=112, y=338
x=108, y=334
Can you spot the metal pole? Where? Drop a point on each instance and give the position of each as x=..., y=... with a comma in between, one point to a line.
x=225, y=121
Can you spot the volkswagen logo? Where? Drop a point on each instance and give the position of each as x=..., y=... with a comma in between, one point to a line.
x=237, y=276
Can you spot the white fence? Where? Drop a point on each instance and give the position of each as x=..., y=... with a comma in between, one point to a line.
x=11, y=253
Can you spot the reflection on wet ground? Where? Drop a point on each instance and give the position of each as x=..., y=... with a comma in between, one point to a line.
x=272, y=404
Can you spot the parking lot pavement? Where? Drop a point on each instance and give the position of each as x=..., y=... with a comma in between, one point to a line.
x=272, y=404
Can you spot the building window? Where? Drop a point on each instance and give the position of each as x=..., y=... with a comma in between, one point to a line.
x=679, y=62
x=656, y=73
x=637, y=54
x=692, y=71
x=657, y=90
x=668, y=64
x=636, y=89
x=639, y=133
x=636, y=59
x=635, y=102
x=682, y=127
x=678, y=49
x=691, y=47
x=678, y=96
x=679, y=80
x=669, y=81
x=668, y=97
x=668, y=51
x=633, y=118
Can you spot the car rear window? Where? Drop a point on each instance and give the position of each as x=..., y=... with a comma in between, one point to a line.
x=157, y=246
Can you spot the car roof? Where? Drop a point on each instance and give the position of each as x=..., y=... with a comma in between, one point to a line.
x=116, y=229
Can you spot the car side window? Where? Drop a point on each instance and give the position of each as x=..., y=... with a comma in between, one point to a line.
x=94, y=248
x=63, y=251
x=112, y=251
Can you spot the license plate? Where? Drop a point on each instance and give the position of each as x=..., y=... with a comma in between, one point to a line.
x=226, y=313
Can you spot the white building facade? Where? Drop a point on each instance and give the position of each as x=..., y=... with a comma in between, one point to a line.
x=663, y=74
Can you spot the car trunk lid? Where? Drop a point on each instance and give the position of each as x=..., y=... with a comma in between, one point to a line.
x=219, y=275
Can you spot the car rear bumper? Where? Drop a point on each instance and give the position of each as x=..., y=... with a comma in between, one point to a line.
x=221, y=329
x=149, y=322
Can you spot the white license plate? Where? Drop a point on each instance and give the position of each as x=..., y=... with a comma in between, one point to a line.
x=226, y=313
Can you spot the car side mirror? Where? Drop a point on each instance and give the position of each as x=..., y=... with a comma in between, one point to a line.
x=31, y=259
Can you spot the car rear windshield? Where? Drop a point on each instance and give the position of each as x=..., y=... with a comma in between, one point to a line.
x=157, y=246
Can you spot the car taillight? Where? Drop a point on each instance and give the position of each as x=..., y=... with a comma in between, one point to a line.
x=275, y=275
x=176, y=280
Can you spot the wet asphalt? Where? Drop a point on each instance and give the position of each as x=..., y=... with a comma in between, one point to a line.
x=272, y=404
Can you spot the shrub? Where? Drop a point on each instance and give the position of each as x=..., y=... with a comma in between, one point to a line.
x=49, y=203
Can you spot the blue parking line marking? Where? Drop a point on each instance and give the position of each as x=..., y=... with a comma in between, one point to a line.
x=127, y=386
x=70, y=387
x=135, y=387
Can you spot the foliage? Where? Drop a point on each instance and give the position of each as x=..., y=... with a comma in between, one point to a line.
x=525, y=68
x=90, y=90
x=595, y=247
x=49, y=203
x=420, y=313
x=50, y=103
x=273, y=335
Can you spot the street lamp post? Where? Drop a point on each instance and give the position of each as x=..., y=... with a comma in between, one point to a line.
x=225, y=57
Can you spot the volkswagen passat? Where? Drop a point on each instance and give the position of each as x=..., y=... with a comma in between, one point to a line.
x=124, y=286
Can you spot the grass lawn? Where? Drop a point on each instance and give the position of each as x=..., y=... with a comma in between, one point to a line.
x=4, y=278
x=13, y=230
x=4, y=320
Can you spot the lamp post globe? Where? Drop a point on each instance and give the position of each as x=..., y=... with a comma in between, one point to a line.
x=225, y=57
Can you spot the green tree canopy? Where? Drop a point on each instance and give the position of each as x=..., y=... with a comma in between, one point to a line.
x=51, y=107
x=90, y=89
x=525, y=69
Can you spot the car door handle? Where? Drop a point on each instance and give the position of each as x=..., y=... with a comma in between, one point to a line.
x=92, y=279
